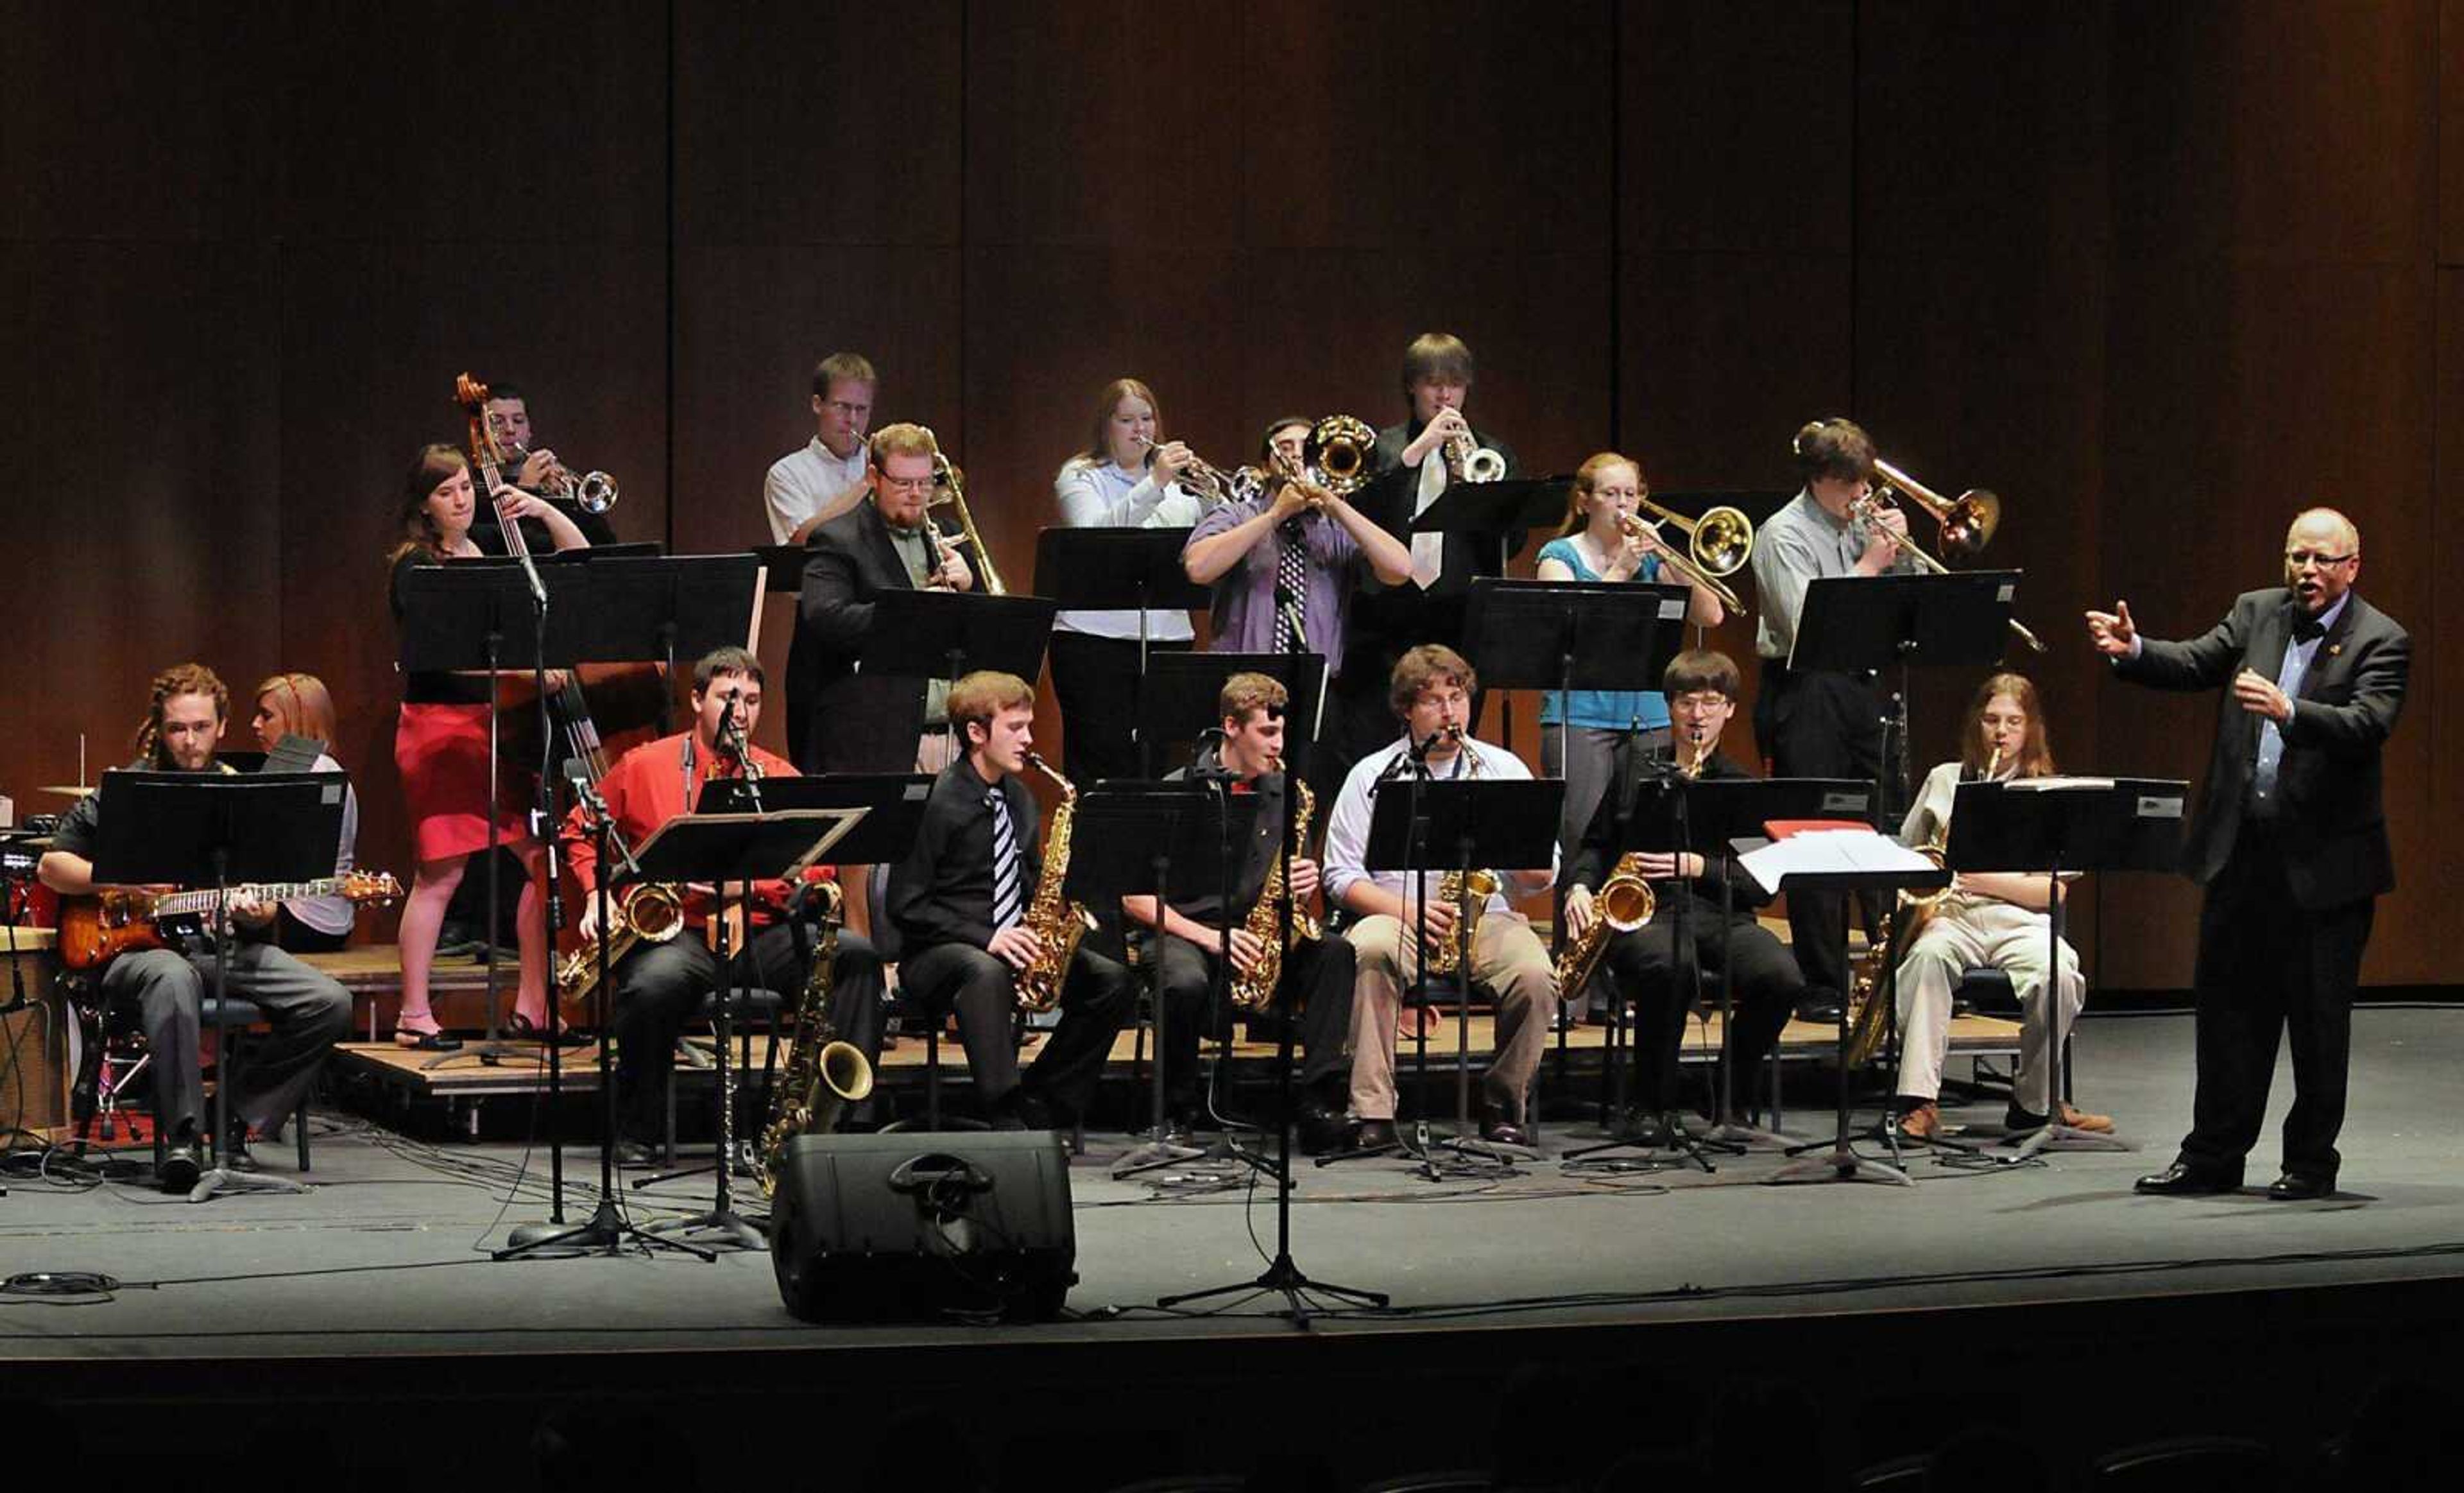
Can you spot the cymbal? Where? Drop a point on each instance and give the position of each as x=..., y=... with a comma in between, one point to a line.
x=65, y=790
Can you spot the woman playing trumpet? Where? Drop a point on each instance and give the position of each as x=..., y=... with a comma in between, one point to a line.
x=1603, y=540
x=1126, y=477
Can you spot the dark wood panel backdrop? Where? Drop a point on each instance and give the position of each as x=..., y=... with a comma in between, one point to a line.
x=2158, y=273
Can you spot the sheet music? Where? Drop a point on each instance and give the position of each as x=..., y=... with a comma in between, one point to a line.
x=1828, y=851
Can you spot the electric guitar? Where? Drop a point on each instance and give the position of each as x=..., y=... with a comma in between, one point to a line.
x=97, y=929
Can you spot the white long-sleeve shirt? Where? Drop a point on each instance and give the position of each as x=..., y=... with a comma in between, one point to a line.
x=1101, y=495
x=1347, y=828
x=801, y=482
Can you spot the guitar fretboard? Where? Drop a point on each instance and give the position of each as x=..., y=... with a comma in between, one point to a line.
x=173, y=904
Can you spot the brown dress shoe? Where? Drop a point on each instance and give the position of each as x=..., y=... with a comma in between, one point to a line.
x=1923, y=1123
x=2082, y=1119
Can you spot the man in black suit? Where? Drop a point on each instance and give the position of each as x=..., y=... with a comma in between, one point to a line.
x=2290, y=840
x=838, y=720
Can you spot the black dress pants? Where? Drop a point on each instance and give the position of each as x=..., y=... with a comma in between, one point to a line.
x=1094, y=1002
x=1317, y=975
x=2267, y=967
x=1648, y=970
x=1821, y=725
x=659, y=986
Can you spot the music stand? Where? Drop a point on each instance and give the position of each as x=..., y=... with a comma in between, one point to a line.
x=1114, y=569
x=1507, y=509
x=783, y=567
x=1843, y=1164
x=1462, y=824
x=2063, y=826
x=1127, y=838
x=1183, y=689
x=214, y=829
x=662, y=608
x=935, y=634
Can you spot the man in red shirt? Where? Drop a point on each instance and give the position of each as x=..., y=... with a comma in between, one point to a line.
x=657, y=987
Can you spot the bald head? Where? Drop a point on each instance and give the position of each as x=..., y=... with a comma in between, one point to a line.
x=2322, y=557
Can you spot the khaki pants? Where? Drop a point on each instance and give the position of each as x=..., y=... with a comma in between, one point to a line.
x=1505, y=955
x=1970, y=936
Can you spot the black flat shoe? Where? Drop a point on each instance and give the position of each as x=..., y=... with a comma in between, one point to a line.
x=520, y=1028
x=2295, y=1188
x=2180, y=1181
x=426, y=1041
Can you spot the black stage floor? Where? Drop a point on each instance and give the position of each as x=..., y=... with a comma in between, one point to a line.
x=1915, y=1303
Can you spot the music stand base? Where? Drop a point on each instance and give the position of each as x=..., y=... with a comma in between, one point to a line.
x=2069, y=1138
x=1840, y=1164
x=222, y=1180
x=1284, y=1278
x=719, y=1230
x=1155, y=1153
x=604, y=1233
x=1739, y=1138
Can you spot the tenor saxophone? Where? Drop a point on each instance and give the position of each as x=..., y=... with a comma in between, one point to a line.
x=822, y=1074
x=1252, y=991
x=1873, y=980
x=1057, y=923
x=1447, y=956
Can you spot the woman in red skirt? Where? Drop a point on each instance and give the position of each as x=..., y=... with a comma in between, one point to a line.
x=441, y=746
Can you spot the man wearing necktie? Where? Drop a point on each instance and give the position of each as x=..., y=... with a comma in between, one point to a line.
x=2290, y=840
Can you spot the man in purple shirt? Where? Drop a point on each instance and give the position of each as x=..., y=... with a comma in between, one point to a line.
x=1283, y=564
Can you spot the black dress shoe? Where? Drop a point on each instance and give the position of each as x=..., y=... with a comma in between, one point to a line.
x=2182, y=1181
x=1368, y=1135
x=179, y=1171
x=1820, y=1007
x=235, y=1155
x=1505, y=1132
x=634, y=1155
x=1647, y=1128
x=2296, y=1187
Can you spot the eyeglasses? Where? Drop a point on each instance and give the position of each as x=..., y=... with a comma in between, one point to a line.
x=908, y=484
x=2303, y=559
x=845, y=410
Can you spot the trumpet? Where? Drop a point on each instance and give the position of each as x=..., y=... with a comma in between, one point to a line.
x=594, y=493
x=1339, y=454
x=1968, y=524
x=949, y=487
x=1467, y=461
x=1210, y=483
x=1717, y=544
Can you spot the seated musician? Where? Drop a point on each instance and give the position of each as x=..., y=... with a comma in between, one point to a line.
x=298, y=706
x=307, y=1011
x=1985, y=919
x=538, y=472
x=1431, y=690
x=807, y=488
x=1646, y=964
x=961, y=901
x=1317, y=982
x=658, y=986
x=839, y=720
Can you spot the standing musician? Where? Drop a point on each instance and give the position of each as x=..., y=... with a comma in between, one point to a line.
x=962, y=900
x=1985, y=918
x=840, y=721
x=1428, y=605
x=440, y=745
x=806, y=489
x=659, y=985
x=1702, y=688
x=1610, y=730
x=308, y=1012
x=1317, y=972
x=2290, y=840
x=1284, y=564
x=299, y=706
x=1816, y=722
x=539, y=472
x=1431, y=691
x=1126, y=477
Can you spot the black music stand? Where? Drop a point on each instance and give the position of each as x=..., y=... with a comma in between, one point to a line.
x=665, y=609
x=937, y=634
x=1565, y=635
x=1126, y=838
x=1114, y=569
x=214, y=829
x=2065, y=826
x=1507, y=509
x=1458, y=825
x=1841, y=1163
x=783, y=567
x=1183, y=690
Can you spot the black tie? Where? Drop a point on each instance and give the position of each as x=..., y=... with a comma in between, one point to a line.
x=2307, y=628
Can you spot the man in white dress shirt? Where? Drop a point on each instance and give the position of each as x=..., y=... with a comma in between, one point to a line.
x=807, y=488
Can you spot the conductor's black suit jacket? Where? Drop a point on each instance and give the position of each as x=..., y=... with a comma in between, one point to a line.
x=840, y=719
x=2329, y=819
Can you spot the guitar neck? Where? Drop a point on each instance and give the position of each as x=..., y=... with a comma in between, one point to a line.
x=173, y=904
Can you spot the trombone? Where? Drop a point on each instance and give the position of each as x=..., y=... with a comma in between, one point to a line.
x=1339, y=454
x=1717, y=544
x=950, y=487
x=1966, y=524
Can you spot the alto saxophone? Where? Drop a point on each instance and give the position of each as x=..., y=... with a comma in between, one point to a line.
x=1252, y=991
x=1447, y=957
x=649, y=913
x=1625, y=903
x=823, y=1074
x=1057, y=923
x=1873, y=979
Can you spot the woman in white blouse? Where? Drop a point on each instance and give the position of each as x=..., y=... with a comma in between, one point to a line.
x=1127, y=477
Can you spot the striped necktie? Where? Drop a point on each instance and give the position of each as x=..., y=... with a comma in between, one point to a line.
x=1005, y=904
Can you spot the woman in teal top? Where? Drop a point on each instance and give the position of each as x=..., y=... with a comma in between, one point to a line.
x=1611, y=728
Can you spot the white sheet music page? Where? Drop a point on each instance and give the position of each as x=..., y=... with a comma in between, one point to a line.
x=1828, y=851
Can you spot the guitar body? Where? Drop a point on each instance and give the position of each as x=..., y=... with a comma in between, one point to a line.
x=95, y=930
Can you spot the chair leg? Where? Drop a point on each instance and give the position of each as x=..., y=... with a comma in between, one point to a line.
x=932, y=1076
x=299, y=1126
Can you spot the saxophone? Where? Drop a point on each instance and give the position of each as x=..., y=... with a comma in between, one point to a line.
x=1057, y=921
x=1447, y=957
x=1625, y=903
x=1873, y=979
x=823, y=1074
x=1252, y=991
